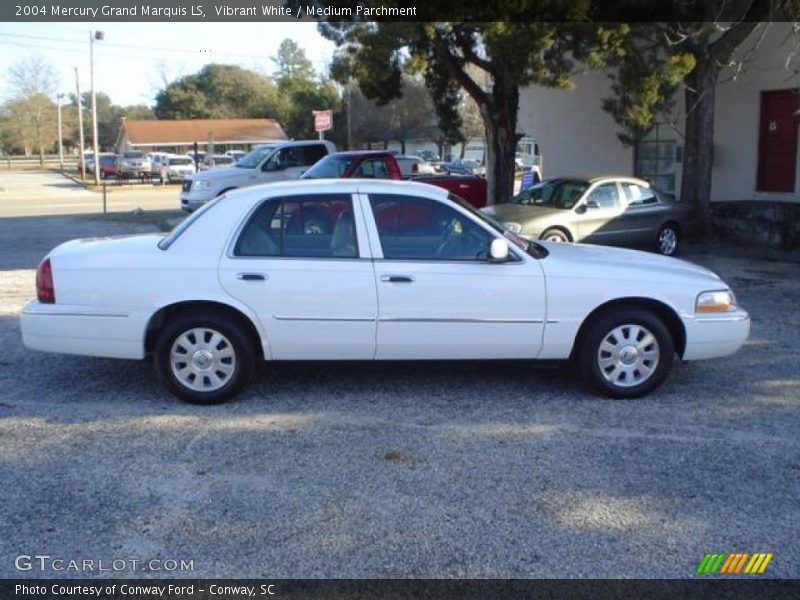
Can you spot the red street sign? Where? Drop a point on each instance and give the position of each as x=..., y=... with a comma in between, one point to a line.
x=323, y=120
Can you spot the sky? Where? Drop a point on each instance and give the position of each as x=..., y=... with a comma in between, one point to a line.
x=134, y=60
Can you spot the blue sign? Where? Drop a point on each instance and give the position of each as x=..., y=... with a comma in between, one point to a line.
x=527, y=179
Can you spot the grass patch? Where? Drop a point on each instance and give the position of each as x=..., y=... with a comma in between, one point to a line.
x=163, y=219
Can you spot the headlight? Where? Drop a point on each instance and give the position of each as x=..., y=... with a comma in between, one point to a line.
x=202, y=184
x=715, y=302
x=514, y=227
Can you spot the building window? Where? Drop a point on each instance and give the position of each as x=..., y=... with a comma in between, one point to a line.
x=655, y=158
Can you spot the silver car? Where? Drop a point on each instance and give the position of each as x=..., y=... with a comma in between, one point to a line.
x=619, y=211
x=133, y=163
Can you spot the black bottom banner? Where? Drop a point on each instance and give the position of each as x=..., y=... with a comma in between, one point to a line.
x=378, y=589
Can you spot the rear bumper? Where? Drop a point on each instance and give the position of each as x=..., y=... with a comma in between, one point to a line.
x=73, y=330
x=716, y=335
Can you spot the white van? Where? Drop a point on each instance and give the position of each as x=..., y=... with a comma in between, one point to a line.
x=271, y=162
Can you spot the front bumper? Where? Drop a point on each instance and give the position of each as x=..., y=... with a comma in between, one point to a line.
x=713, y=336
x=194, y=199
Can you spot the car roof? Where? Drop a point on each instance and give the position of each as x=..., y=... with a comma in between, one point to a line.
x=595, y=178
x=342, y=186
x=362, y=153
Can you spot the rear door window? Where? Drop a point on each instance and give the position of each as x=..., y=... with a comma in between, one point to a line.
x=316, y=226
x=637, y=195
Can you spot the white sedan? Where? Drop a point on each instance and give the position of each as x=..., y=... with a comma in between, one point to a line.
x=371, y=270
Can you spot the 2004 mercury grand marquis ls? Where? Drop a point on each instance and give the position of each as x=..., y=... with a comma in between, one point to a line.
x=354, y=269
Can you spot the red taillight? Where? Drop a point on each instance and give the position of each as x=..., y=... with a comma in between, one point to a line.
x=44, y=283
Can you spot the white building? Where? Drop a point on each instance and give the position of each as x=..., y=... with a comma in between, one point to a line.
x=755, y=128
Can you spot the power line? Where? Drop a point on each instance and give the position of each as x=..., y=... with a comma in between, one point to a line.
x=139, y=48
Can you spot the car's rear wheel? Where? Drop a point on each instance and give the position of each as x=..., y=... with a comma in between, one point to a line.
x=626, y=354
x=555, y=235
x=204, y=358
x=667, y=240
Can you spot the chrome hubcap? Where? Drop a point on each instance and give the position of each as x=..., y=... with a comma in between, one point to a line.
x=628, y=355
x=554, y=237
x=202, y=359
x=667, y=241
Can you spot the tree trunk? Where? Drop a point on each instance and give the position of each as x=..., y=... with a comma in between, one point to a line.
x=463, y=148
x=698, y=151
x=500, y=124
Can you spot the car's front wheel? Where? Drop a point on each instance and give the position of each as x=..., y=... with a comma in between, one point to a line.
x=667, y=240
x=555, y=235
x=626, y=354
x=204, y=358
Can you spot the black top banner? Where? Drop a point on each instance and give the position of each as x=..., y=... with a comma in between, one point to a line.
x=378, y=10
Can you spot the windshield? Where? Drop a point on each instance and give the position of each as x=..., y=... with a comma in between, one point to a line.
x=180, y=161
x=133, y=155
x=330, y=167
x=520, y=242
x=256, y=157
x=556, y=193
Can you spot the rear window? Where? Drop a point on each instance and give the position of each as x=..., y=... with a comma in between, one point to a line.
x=313, y=153
x=173, y=235
x=133, y=155
x=330, y=167
x=180, y=161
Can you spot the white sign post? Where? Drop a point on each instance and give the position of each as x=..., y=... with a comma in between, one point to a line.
x=323, y=121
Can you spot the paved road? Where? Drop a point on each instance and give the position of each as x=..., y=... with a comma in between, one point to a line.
x=29, y=193
x=402, y=470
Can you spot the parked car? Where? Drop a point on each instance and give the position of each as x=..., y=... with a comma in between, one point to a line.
x=382, y=164
x=428, y=155
x=132, y=163
x=155, y=159
x=463, y=167
x=108, y=165
x=106, y=169
x=601, y=210
x=384, y=270
x=175, y=168
x=267, y=163
x=236, y=154
x=197, y=157
x=215, y=161
x=88, y=162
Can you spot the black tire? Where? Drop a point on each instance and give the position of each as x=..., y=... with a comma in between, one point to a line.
x=600, y=377
x=242, y=366
x=668, y=240
x=556, y=235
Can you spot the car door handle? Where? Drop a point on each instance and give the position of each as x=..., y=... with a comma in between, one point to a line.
x=251, y=276
x=397, y=278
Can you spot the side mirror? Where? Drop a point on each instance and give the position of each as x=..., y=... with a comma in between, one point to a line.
x=498, y=250
x=580, y=209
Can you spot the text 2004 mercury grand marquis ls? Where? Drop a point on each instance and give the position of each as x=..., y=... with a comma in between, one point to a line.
x=350, y=269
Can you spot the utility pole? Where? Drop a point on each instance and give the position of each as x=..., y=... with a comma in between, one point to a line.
x=347, y=91
x=96, y=35
x=80, y=125
x=60, y=133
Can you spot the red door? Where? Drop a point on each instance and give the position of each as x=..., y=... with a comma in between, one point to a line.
x=777, y=151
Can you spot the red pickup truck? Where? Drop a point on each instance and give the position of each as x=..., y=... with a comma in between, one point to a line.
x=369, y=164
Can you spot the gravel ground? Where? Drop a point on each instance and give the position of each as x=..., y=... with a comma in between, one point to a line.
x=403, y=470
